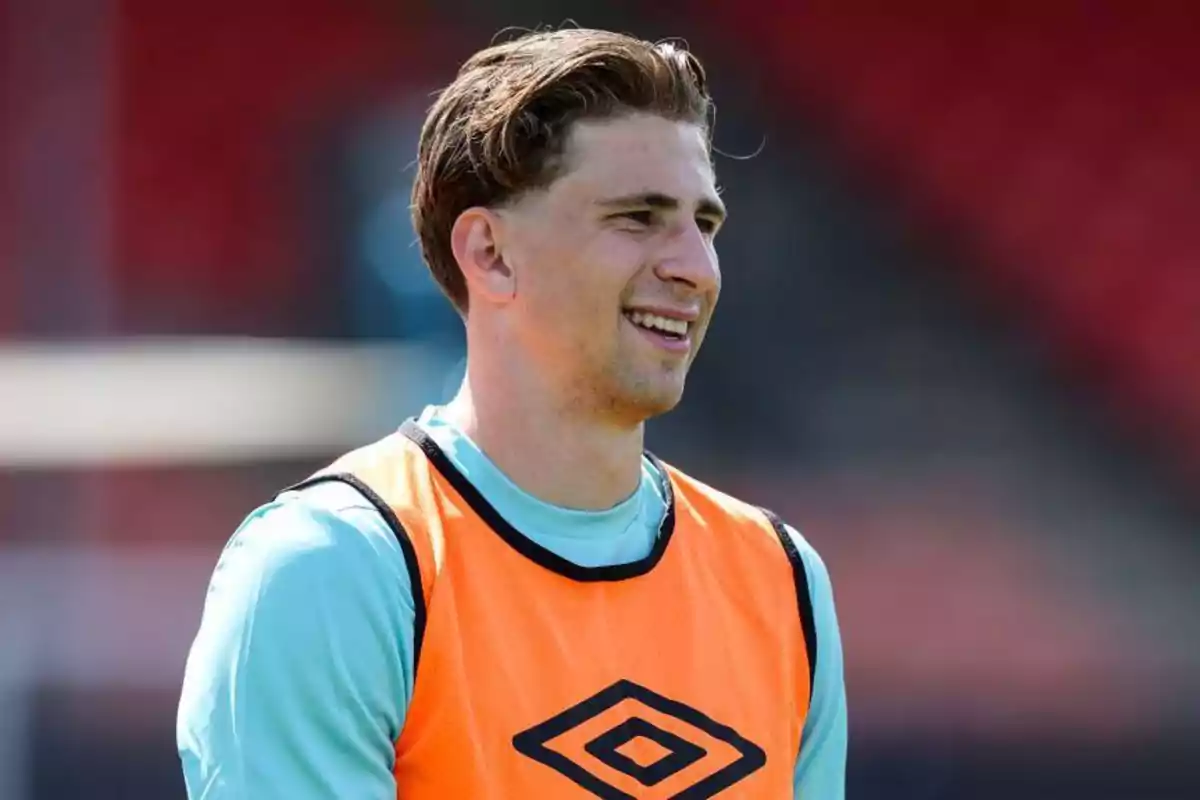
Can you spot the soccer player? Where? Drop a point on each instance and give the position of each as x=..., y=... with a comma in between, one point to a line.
x=508, y=597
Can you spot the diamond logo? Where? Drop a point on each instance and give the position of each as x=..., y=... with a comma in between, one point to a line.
x=628, y=742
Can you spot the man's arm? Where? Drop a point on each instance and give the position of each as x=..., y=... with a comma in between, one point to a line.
x=297, y=682
x=821, y=766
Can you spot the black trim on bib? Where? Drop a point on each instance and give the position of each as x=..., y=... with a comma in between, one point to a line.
x=803, y=595
x=406, y=547
x=531, y=549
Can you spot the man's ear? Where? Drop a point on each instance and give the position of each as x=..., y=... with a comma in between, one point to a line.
x=475, y=240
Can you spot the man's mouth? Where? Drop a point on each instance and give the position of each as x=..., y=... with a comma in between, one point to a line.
x=667, y=327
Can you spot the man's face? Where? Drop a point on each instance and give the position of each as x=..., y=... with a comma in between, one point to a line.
x=617, y=248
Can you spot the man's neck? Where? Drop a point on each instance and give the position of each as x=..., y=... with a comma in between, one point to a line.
x=561, y=458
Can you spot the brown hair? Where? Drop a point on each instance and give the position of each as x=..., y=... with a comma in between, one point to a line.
x=500, y=127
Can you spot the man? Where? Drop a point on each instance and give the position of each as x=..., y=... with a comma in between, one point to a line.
x=508, y=598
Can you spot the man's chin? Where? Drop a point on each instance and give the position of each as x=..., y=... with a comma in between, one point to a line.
x=650, y=403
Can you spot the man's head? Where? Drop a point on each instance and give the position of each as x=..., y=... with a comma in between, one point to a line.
x=566, y=203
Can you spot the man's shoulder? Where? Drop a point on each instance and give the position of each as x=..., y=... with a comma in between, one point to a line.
x=712, y=500
x=308, y=579
x=327, y=533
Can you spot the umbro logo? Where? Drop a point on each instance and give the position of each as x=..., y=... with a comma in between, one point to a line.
x=628, y=742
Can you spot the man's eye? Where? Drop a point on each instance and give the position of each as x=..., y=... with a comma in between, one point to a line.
x=706, y=225
x=640, y=217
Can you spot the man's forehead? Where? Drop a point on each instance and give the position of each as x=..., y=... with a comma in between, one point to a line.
x=639, y=154
x=649, y=131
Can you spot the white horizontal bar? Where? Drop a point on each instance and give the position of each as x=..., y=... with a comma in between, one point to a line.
x=204, y=400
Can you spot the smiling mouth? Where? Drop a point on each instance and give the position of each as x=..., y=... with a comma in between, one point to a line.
x=667, y=327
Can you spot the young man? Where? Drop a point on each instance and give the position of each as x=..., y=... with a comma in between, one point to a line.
x=508, y=598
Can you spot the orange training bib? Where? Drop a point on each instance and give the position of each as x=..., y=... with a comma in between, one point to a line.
x=684, y=675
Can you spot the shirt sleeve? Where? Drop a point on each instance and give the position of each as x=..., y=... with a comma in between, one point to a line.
x=821, y=765
x=298, y=679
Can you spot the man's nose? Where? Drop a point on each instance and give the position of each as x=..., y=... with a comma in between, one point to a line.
x=691, y=260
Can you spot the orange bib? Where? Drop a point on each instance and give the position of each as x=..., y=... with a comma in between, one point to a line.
x=684, y=675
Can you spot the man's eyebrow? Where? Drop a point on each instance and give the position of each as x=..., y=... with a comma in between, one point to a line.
x=709, y=206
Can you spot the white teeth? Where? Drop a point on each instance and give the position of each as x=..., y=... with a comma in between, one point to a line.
x=678, y=327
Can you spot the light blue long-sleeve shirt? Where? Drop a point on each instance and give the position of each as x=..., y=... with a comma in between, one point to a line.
x=298, y=681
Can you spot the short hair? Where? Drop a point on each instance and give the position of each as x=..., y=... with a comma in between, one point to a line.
x=499, y=129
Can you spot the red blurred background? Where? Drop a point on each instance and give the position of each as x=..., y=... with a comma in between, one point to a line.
x=959, y=347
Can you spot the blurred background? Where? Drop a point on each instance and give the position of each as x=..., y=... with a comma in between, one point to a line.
x=958, y=347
